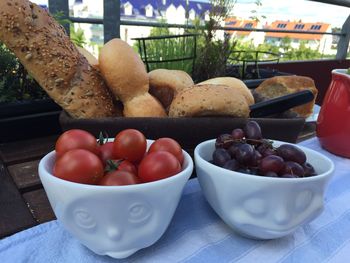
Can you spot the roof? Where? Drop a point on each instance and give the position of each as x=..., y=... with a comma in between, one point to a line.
x=240, y=23
x=158, y=6
x=297, y=26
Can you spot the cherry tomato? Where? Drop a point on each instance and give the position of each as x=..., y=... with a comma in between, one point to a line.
x=121, y=165
x=106, y=152
x=80, y=166
x=75, y=139
x=119, y=178
x=168, y=145
x=130, y=144
x=158, y=165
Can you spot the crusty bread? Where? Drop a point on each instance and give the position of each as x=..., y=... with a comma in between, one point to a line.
x=127, y=78
x=209, y=100
x=283, y=85
x=234, y=83
x=44, y=49
x=144, y=106
x=90, y=58
x=165, y=84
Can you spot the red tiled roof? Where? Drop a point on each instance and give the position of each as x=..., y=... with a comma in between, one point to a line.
x=298, y=26
x=241, y=23
x=280, y=25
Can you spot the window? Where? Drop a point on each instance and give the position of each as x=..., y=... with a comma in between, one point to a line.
x=299, y=26
x=281, y=25
x=206, y=16
x=248, y=25
x=315, y=27
x=192, y=14
x=231, y=23
x=149, y=11
x=128, y=9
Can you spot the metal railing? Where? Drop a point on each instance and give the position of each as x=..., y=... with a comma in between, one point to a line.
x=111, y=23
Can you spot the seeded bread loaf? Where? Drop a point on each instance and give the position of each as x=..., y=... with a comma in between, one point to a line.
x=90, y=58
x=44, y=49
x=209, y=100
x=234, y=83
x=283, y=85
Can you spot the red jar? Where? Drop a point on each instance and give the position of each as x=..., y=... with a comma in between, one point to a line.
x=333, y=123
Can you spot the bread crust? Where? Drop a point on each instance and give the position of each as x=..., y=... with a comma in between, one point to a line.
x=166, y=83
x=233, y=83
x=90, y=58
x=44, y=49
x=144, y=106
x=283, y=85
x=127, y=78
x=123, y=70
x=209, y=100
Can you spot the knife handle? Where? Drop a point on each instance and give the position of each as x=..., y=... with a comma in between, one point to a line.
x=280, y=104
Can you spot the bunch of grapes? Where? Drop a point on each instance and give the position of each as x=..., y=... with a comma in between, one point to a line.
x=246, y=151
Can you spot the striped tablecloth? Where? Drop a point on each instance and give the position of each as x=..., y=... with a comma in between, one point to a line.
x=196, y=234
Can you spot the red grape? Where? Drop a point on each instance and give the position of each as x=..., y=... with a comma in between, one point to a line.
x=245, y=151
x=237, y=134
x=220, y=157
x=291, y=153
x=271, y=163
x=252, y=130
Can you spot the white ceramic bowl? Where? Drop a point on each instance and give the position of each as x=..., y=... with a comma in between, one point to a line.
x=262, y=207
x=114, y=220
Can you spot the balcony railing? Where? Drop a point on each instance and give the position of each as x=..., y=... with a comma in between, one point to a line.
x=111, y=23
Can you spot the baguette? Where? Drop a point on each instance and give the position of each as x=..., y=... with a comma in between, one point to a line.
x=50, y=57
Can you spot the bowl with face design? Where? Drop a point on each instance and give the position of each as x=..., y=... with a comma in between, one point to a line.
x=262, y=207
x=114, y=220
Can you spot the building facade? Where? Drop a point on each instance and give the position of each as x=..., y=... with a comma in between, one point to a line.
x=320, y=42
x=169, y=11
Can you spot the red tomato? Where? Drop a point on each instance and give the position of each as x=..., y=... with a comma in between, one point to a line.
x=130, y=144
x=106, y=152
x=119, y=178
x=158, y=165
x=168, y=145
x=121, y=165
x=80, y=166
x=75, y=139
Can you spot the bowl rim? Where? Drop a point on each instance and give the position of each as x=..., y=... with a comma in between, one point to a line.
x=43, y=172
x=227, y=172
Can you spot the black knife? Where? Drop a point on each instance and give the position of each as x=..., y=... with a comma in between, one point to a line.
x=280, y=104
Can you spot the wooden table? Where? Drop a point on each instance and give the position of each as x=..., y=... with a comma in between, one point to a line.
x=23, y=201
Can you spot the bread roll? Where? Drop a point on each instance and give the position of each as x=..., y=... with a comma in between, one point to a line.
x=127, y=78
x=44, y=49
x=234, y=83
x=165, y=84
x=209, y=100
x=283, y=85
x=143, y=105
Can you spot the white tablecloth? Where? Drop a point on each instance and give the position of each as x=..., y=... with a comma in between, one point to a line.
x=196, y=234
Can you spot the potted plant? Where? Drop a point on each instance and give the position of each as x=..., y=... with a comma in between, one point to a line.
x=232, y=57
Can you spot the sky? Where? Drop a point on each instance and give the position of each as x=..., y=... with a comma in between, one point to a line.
x=307, y=11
